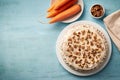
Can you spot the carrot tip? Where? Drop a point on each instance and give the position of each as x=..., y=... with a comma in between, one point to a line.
x=47, y=17
x=48, y=10
x=50, y=22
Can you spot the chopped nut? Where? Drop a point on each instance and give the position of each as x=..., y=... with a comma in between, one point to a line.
x=83, y=32
x=75, y=46
x=77, y=53
x=83, y=47
x=79, y=49
x=74, y=57
x=88, y=31
x=74, y=33
x=70, y=55
x=97, y=10
x=79, y=33
x=91, y=43
x=82, y=39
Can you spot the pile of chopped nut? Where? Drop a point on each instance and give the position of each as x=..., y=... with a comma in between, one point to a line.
x=97, y=10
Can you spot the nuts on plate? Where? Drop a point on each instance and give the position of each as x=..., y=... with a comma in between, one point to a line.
x=83, y=47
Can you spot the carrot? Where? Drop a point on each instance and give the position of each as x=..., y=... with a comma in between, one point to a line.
x=53, y=5
x=66, y=14
x=55, y=12
x=61, y=3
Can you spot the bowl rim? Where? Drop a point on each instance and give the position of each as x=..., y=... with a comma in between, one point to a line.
x=101, y=6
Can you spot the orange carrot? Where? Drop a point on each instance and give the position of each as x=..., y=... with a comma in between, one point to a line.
x=53, y=5
x=55, y=12
x=66, y=14
x=61, y=3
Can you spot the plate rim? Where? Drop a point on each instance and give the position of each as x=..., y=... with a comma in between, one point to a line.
x=66, y=67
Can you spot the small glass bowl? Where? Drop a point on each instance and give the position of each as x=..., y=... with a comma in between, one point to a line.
x=97, y=11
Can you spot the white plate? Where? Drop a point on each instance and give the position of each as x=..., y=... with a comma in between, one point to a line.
x=91, y=72
x=75, y=17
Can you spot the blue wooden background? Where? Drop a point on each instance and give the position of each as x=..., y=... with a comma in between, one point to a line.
x=27, y=47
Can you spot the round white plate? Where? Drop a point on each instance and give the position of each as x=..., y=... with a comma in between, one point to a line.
x=75, y=17
x=87, y=73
